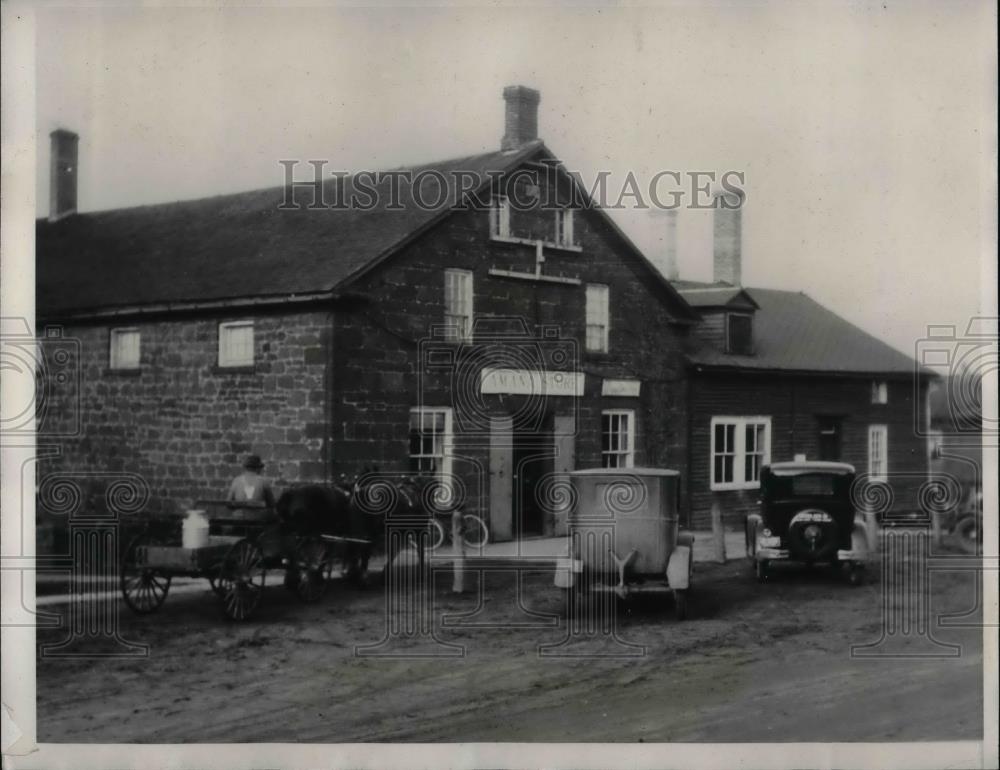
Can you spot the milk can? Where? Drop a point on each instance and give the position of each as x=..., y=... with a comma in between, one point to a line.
x=195, y=533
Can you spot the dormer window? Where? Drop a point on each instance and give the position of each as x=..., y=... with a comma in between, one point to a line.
x=564, y=228
x=500, y=217
x=739, y=334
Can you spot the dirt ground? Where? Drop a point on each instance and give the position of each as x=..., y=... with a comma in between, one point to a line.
x=754, y=662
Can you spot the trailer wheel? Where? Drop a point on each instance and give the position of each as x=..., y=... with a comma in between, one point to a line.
x=144, y=588
x=680, y=604
x=855, y=572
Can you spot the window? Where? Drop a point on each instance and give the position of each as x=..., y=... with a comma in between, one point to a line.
x=880, y=392
x=878, y=443
x=458, y=305
x=124, y=349
x=430, y=441
x=597, y=317
x=741, y=446
x=617, y=438
x=564, y=227
x=739, y=334
x=500, y=217
x=236, y=343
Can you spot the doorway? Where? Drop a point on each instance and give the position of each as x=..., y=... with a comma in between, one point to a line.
x=831, y=431
x=533, y=463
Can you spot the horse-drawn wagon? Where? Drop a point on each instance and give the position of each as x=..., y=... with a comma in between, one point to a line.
x=248, y=540
x=624, y=536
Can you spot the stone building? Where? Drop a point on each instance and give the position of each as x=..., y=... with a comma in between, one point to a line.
x=492, y=334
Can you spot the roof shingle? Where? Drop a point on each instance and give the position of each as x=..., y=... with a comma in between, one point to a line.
x=231, y=246
x=793, y=332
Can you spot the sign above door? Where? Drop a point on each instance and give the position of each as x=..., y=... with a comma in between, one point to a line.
x=530, y=382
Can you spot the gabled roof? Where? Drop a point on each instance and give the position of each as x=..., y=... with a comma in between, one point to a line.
x=720, y=296
x=229, y=246
x=793, y=332
x=239, y=246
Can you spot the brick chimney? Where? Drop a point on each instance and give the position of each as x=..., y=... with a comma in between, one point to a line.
x=727, y=237
x=521, y=120
x=62, y=174
x=670, y=266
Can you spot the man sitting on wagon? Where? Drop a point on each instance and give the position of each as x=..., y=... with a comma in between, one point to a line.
x=250, y=487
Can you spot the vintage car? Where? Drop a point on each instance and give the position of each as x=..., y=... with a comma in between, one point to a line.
x=806, y=515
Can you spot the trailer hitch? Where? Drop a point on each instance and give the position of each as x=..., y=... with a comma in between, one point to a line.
x=622, y=564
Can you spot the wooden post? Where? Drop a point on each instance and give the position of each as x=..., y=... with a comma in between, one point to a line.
x=458, y=551
x=718, y=533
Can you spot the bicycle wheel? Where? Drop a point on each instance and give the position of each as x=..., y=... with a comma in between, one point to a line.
x=476, y=535
x=435, y=534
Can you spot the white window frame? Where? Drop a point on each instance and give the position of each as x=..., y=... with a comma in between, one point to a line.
x=115, y=358
x=564, y=228
x=458, y=310
x=444, y=471
x=629, y=451
x=227, y=359
x=500, y=217
x=598, y=317
x=880, y=392
x=878, y=442
x=739, y=452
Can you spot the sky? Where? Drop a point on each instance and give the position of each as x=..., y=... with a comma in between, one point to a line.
x=865, y=131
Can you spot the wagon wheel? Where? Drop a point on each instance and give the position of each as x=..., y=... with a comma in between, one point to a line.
x=144, y=588
x=312, y=563
x=213, y=580
x=240, y=579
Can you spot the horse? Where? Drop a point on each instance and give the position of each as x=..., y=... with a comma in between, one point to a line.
x=313, y=509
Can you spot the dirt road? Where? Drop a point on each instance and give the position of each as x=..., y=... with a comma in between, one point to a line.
x=754, y=663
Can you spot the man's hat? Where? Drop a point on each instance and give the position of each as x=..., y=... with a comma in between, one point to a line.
x=253, y=463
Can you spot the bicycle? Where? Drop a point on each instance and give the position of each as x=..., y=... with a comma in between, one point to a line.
x=475, y=533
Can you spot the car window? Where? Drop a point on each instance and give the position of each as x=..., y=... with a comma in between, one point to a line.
x=813, y=485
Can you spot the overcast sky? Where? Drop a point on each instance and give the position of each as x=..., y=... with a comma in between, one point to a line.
x=864, y=131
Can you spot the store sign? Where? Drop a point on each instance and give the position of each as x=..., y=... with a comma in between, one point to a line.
x=530, y=382
x=629, y=388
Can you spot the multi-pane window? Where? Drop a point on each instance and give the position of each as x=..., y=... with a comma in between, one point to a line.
x=880, y=392
x=597, y=317
x=878, y=443
x=500, y=217
x=430, y=441
x=741, y=446
x=617, y=438
x=458, y=305
x=236, y=343
x=739, y=334
x=124, y=349
x=723, y=453
x=564, y=227
x=756, y=437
